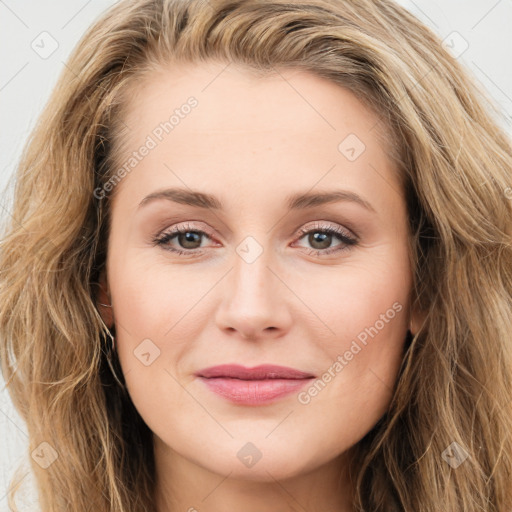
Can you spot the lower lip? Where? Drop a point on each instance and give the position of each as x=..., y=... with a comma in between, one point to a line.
x=254, y=392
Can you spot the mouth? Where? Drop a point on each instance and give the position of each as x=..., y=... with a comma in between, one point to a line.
x=253, y=386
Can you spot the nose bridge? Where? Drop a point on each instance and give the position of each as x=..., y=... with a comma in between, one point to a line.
x=252, y=301
x=253, y=282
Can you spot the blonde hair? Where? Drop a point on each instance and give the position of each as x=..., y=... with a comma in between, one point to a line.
x=455, y=382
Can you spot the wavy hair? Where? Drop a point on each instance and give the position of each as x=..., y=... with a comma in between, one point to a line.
x=454, y=161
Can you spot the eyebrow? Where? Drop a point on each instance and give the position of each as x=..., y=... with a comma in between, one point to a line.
x=298, y=201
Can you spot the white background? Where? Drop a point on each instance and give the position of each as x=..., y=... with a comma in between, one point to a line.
x=26, y=80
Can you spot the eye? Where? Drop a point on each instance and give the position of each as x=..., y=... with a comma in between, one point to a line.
x=320, y=237
x=187, y=237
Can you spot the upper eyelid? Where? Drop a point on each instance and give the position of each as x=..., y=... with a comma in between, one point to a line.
x=318, y=224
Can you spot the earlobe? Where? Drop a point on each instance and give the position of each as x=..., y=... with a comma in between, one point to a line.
x=103, y=302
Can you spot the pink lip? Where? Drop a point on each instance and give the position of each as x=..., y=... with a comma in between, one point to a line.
x=253, y=386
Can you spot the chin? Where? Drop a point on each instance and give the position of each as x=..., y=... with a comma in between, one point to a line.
x=246, y=461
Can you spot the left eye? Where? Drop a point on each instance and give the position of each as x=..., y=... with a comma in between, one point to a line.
x=320, y=237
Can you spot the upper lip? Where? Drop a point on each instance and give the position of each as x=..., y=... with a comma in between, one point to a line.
x=264, y=371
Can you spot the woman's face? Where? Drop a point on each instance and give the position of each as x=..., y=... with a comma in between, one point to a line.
x=297, y=257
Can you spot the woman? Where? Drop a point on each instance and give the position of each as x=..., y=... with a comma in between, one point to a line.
x=260, y=259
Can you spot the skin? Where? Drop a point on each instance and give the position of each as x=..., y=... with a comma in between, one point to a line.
x=251, y=142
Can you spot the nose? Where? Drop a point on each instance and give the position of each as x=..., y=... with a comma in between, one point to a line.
x=255, y=301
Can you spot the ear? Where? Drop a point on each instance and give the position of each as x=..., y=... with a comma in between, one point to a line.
x=417, y=320
x=103, y=297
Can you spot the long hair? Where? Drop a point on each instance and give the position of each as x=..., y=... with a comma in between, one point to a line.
x=452, y=399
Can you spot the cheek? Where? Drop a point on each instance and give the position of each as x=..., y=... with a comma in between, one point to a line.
x=368, y=314
x=158, y=311
x=365, y=299
x=154, y=298
x=366, y=311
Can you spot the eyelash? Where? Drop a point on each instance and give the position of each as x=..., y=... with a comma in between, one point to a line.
x=348, y=241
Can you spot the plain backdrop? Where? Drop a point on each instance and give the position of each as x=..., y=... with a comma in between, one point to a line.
x=36, y=38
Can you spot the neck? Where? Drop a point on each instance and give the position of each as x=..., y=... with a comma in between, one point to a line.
x=183, y=485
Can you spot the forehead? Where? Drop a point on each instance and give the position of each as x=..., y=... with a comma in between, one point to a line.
x=236, y=99
x=289, y=126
